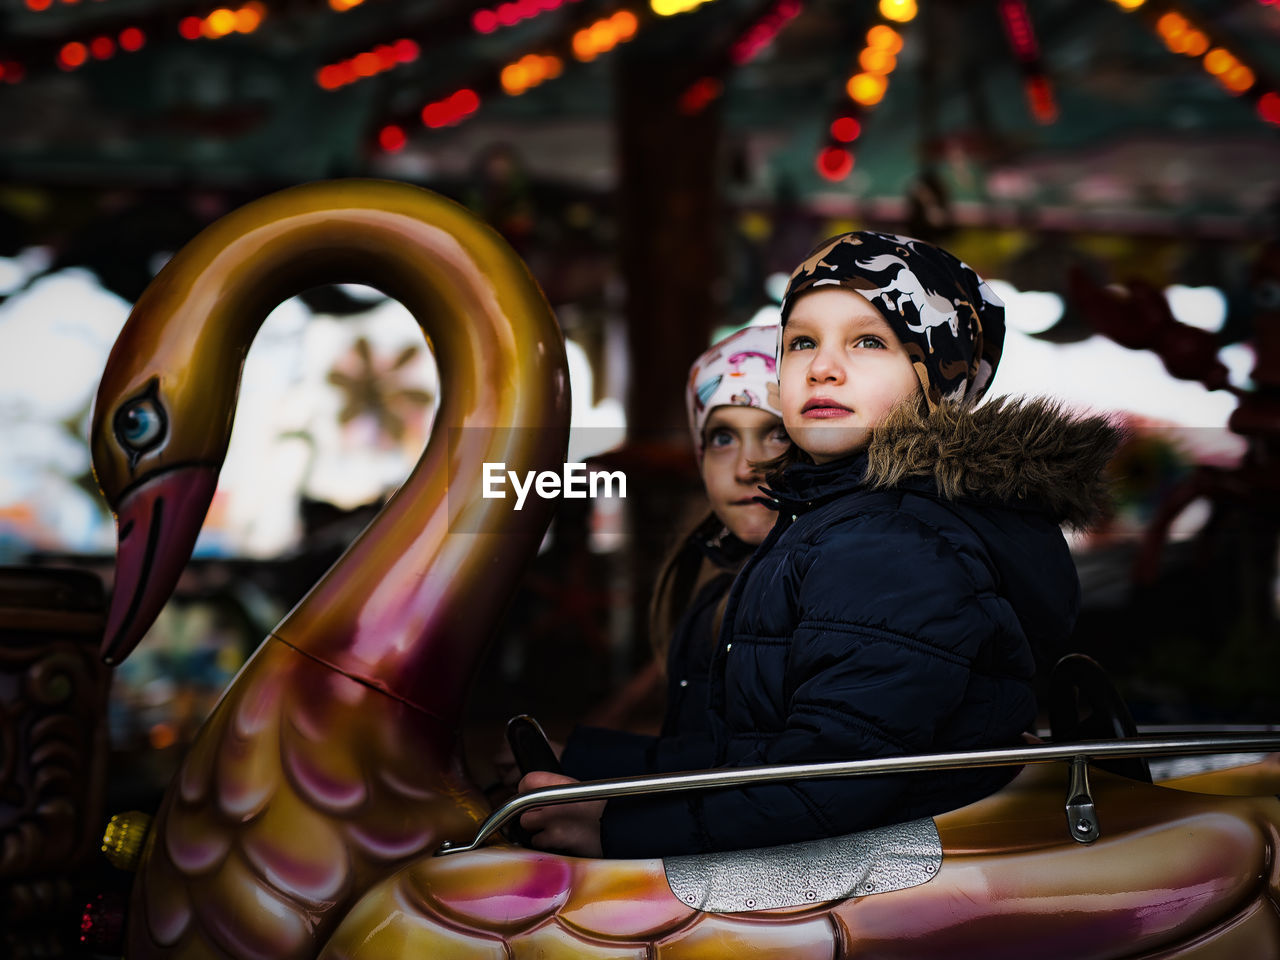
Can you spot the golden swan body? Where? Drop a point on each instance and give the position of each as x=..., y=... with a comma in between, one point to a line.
x=303, y=820
x=330, y=759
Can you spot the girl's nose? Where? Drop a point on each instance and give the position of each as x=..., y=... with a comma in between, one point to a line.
x=824, y=368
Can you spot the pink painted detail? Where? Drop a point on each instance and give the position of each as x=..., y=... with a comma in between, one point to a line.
x=402, y=787
x=246, y=919
x=259, y=706
x=298, y=851
x=501, y=890
x=554, y=940
x=384, y=842
x=315, y=773
x=624, y=900
x=193, y=844
x=248, y=773
x=306, y=716
x=164, y=897
x=196, y=774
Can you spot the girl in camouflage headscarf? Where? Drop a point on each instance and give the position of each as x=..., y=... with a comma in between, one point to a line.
x=915, y=575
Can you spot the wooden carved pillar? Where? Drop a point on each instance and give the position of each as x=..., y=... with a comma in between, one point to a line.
x=53, y=751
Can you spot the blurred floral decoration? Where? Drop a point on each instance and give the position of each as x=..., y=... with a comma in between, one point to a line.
x=375, y=388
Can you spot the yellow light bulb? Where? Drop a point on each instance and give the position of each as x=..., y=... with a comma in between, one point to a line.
x=1196, y=43
x=1170, y=24
x=884, y=37
x=221, y=22
x=624, y=24
x=584, y=47
x=1238, y=79
x=1218, y=61
x=514, y=79
x=877, y=61
x=899, y=11
x=866, y=88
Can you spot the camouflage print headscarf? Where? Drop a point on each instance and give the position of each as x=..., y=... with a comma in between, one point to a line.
x=946, y=316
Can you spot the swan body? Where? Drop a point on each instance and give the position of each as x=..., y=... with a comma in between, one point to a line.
x=331, y=758
x=1176, y=874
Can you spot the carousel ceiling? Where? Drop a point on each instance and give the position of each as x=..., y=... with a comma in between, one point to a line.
x=1074, y=109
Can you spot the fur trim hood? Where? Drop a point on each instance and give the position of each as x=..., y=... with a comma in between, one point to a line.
x=1011, y=451
x=1023, y=454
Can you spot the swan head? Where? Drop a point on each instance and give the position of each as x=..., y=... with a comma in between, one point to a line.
x=161, y=423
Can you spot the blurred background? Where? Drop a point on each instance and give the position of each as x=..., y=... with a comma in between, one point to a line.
x=1112, y=166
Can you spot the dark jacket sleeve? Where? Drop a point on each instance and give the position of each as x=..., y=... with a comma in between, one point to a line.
x=595, y=753
x=890, y=620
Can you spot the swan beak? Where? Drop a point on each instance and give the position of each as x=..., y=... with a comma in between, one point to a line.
x=157, y=522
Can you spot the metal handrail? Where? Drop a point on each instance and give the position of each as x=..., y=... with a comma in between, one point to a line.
x=743, y=776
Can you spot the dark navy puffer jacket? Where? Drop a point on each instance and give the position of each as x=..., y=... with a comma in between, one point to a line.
x=692, y=640
x=894, y=609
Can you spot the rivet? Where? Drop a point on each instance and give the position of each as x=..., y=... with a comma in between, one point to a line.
x=751, y=902
x=690, y=898
x=868, y=885
x=810, y=895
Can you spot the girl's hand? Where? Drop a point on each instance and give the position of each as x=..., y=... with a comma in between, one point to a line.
x=504, y=763
x=572, y=828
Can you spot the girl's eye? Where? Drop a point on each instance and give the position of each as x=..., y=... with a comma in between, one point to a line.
x=800, y=343
x=719, y=438
x=874, y=343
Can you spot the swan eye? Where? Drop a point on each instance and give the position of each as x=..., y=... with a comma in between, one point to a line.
x=140, y=424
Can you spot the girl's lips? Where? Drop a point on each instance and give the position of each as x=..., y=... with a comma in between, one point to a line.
x=823, y=409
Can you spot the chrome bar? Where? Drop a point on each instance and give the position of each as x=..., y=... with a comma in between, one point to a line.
x=744, y=776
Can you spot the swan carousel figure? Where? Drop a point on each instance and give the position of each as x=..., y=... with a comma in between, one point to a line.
x=323, y=809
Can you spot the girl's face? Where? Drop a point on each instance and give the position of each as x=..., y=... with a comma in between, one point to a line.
x=842, y=370
x=734, y=438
